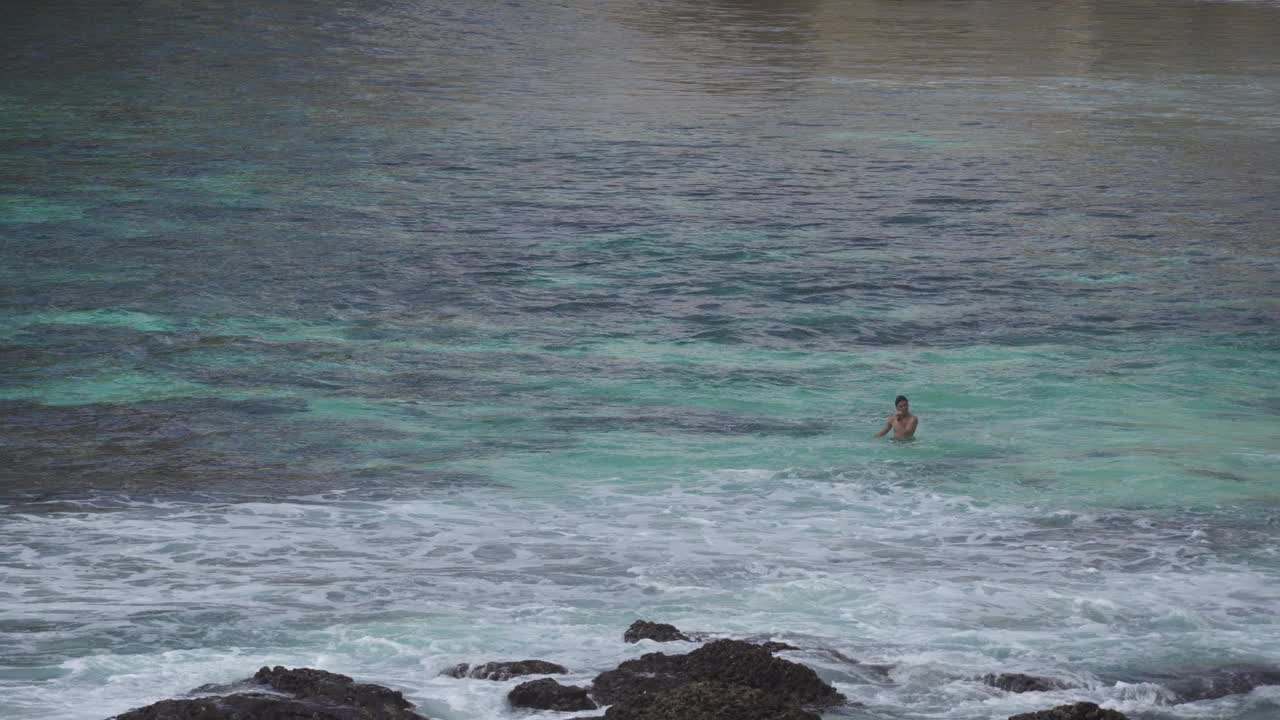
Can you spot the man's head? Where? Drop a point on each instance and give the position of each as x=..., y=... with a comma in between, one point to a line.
x=901, y=403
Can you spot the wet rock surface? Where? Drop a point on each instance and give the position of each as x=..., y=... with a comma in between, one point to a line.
x=658, y=632
x=1077, y=711
x=282, y=694
x=1220, y=682
x=774, y=646
x=547, y=694
x=506, y=670
x=727, y=662
x=723, y=679
x=709, y=701
x=1020, y=683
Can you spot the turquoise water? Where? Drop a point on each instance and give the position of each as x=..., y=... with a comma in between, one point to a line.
x=391, y=336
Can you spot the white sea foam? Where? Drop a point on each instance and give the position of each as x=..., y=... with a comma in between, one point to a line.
x=126, y=607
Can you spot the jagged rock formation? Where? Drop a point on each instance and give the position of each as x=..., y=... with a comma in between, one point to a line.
x=727, y=662
x=709, y=701
x=1020, y=683
x=1222, y=681
x=506, y=670
x=1078, y=711
x=282, y=694
x=658, y=632
x=547, y=694
x=722, y=680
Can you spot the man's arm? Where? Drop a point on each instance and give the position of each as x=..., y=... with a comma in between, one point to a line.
x=887, y=424
x=911, y=427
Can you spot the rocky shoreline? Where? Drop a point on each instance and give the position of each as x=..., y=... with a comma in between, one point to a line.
x=724, y=679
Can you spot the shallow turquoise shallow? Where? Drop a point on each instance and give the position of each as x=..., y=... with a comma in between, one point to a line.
x=385, y=337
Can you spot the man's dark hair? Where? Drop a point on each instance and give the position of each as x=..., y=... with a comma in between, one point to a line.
x=901, y=398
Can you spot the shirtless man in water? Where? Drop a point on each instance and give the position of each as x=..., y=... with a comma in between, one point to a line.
x=903, y=422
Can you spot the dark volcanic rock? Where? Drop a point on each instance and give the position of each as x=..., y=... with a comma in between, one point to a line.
x=645, y=630
x=650, y=673
x=730, y=662
x=1020, y=683
x=1078, y=711
x=774, y=646
x=547, y=694
x=1221, y=682
x=305, y=694
x=239, y=707
x=740, y=663
x=318, y=685
x=506, y=670
x=708, y=701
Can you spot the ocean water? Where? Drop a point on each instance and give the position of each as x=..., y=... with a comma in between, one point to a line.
x=382, y=336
